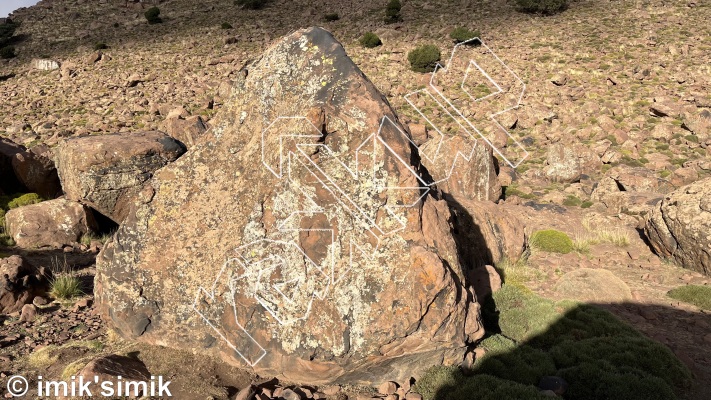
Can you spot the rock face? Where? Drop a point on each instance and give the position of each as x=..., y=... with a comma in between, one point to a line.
x=679, y=226
x=24, y=171
x=50, y=223
x=20, y=282
x=298, y=237
x=107, y=172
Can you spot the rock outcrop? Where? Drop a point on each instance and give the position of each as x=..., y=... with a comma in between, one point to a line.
x=52, y=223
x=20, y=282
x=678, y=227
x=297, y=237
x=107, y=172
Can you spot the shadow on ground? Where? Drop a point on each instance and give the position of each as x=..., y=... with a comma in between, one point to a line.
x=533, y=342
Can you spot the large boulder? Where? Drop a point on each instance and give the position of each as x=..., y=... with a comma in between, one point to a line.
x=297, y=237
x=678, y=227
x=563, y=164
x=50, y=223
x=107, y=172
x=23, y=170
x=20, y=282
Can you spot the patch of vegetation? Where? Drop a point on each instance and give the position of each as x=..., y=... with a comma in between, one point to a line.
x=461, y=34
x=552, y=241
x=698, y=295
x=330, y=17
x=392, y=12
x=226, y=25
x=153, y=15
x=7, y=52
x=665, y=173
x=424, y=58
x=64, y=285
x=692, y=138
x=100, y=46
x=518, y=271
x=251, y=4
x=605, y=234
x=511, y=190
x=572, y=201
x=586, y=204
x=370, y=40
x=597, y=354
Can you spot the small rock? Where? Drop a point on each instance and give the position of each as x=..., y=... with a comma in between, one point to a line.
x=246, y=393
x=549, y=393
x=413, y=396
x=387, y=388
x=288, y=394
x=29, y=311
x=331, y=390
x=82, y=303
x=560, y=80
x=39, y=301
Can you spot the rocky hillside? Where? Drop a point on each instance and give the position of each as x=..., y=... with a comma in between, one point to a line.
x=599, y=194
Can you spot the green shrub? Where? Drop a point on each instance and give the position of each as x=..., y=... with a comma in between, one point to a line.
x=226, y=25
x=64, y=284
x=153, y=15
x=698, y=295
x=552, y=241
x=509, y=191
x=448, y=383
x=586, y=204
x=572, y=201
x=23, y=200
x=461, y=34
x=547, y=7
x=330, y=17
x=100, y=46
x=7, y=52
x=251, y=4
x=7, y=30
x=424, y=58
x=370, y=40
x=392, y=12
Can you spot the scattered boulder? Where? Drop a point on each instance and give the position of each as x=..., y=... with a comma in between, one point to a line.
x=475, y=180
x=107, y=172
x=678, y=227
x=187, y=130
x=593, y=285
x=28, y=313
x=113, y=367
x=233, y=224
x=20, y=283
x=23, y=170
x=52, y=223
x=563, y=164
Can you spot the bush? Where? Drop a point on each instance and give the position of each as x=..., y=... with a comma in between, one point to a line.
x=226, y=25
x=64, y=284
x=392, y=12
x=552, y=241
x=424, y=58
x=331, y=17
x=251, y=4
x=698, y=295
x=370, y=40
x=461, y=34
x=153, y=15
x=547, y=7
x=100, y=46
x=6, y=31
x=20, y=200
x=7, y=52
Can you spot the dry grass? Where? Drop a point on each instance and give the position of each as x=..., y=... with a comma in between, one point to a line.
x=518, y=271
x=596, y=234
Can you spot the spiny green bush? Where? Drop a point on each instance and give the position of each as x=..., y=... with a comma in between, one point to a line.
x=392, y=12
x=100, y=46
x=461, y=34
x=370, y=40
x=330, y=17
x=226, y=25
x=448, y=383
x=7, y=30
x=153, y=15
x=552, y=241
x=7, y=52
x=547, y=7
x=424, y=58
x=251, y=4
x=698, y=295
